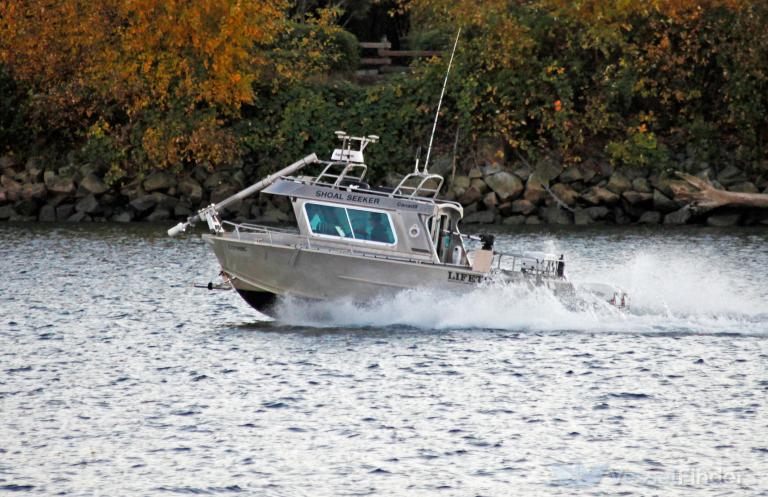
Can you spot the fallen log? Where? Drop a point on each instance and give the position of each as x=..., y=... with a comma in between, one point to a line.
x=705, y=197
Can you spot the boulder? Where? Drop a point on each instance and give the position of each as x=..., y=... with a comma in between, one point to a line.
x=532, y=220
x=93, y=185
x=680, y=216
x=597, y=213
x=475, y=173
x=8, y=162
x=566, y=194
x=534, y=190
x=47, y=214
x=582, y=218
x=77, y=217
x=34, y=191
x=571, y=174
x=184, y=210
x=159, y=180
x=641, y=185
x=597, y=195
x=506, y=185
x=480, y=217
x=470, y=196
x=514, y=221
x=479, y=184
x=555, y=215
x=620, y=217
x=123, y=217
x=64, y=211
x=164, y=200
x=87, y=205
x=723, y=220
x=461, y=182
x=523, y=173
x=637, y=198
x=191, y=189
x=12, y=187
x=490, y=200
x=6, y=212
x=214, y=180
x=60, y=184
x=143, y=204
x=274, y=215
x=523, y=206
x=619, y=183
x=663, y=203
x=744, y=187
x=731, y=175
x=222, y=192
x=650, y=217
x=159, y=214
x=505, y=209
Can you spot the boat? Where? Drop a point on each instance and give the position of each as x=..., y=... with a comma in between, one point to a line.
x=354, y=241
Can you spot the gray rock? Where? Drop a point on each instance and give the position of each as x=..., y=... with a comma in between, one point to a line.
x=680, y=216
x=663, y=203
x=62, y=185
x=6, y=212
x=159, y=180
x=8, y=162
x=620, y=217
x=479, y=184
x=47, y=214
x=555, y=215
x=514, y=221
x=475, y=173
x=506, y=185
x=77, y=217
x=215, y=180
x=480, y=217
x=490, y=200
x=123, y=217
x=505, y=209
x=582, y=218
x=64, y=211
x=461, y=182
x=641, y=185
x=532, y=220
x=571, y=174
x=744, y=187
x=143, y=204
x=731, y=175
x=650, y=217
x=534, y=190
x=619, y=183
x=638, y=198
x=597, y=213
x=597, y=195
x=565, y=193
x=183, y=210
x=87, y=205
x=191, y=189
x=470, y=196
x=34, y=191
x=274, y=215
x=523, y=206
x=92, y=184
x=724, y=220
x=159, y=214
x=523, y=173
x=222, y=192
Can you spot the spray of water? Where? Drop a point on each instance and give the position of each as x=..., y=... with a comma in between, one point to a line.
x=669, y=293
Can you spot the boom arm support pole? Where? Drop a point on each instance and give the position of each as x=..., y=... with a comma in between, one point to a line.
x=214, y=208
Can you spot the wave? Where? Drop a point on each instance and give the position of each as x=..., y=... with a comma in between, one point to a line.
x=669, y=293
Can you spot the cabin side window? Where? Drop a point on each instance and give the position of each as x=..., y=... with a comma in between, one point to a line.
x=358, y=224
x=328, y=220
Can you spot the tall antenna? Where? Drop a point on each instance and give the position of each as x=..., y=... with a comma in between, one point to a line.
x=440, y=102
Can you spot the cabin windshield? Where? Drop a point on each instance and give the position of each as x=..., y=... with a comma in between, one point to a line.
x=346, y=222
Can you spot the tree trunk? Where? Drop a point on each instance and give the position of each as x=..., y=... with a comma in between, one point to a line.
x=706, y=197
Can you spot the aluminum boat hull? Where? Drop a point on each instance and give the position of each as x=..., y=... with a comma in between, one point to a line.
x=262, y=272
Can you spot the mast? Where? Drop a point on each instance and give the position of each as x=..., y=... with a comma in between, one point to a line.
x=440, y=102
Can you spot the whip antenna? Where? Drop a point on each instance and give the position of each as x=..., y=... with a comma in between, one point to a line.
x=440, y=102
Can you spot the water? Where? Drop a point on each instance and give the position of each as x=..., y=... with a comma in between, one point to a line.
x=119, y=378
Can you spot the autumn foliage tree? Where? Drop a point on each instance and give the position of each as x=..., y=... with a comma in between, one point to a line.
x=145, y=83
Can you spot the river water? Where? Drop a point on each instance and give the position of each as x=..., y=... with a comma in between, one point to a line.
x=117, y=377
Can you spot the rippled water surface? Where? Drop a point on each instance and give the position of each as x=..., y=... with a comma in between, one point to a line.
x=117, y=377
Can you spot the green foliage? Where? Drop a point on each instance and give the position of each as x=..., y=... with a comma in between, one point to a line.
x=13, y=112
x=334, y=48
x=640, y=149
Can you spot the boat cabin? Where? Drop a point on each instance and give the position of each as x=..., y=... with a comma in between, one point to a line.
x=336, y=208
